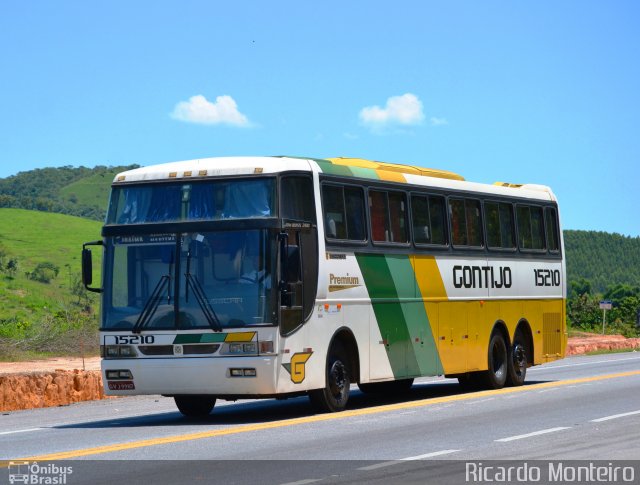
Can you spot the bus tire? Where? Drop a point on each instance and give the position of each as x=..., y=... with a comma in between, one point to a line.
x=495, y=376
x=195, y=406
x=517, y=369
x=334, y=396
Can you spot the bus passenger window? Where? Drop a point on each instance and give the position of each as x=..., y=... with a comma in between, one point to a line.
x=354, y=202
x=466, y=222
x=420, y=217
x=438, y=219
x=499, y=225
x=530, y=227
x=551, y=224
x=458, y=222
x=379, y=214
x=344, y=212
x=429, y=219
x=335, y=225
x=474, y=222
x=398, y=217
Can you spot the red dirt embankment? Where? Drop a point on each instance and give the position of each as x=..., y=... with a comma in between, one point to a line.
x=58, y=382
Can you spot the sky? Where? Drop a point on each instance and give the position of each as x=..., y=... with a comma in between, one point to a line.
x=544, y=92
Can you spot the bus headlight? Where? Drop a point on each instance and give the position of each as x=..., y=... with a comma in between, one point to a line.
x=117, y=351
x=250, y=348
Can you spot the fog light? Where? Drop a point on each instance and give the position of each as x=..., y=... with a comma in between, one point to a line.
x=235, y=372
x=250, y=372
x=125, y=374
x=112, y=374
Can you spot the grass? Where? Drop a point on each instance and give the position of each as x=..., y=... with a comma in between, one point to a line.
x=92, y=191
x=28, y=308
x=610, y=351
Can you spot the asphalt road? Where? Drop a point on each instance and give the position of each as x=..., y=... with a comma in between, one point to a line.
x=580, y=408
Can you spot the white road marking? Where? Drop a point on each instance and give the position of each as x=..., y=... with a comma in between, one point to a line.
x=21, y=431
x=535, y=433
x=304, y=482
x=614, y=416
x=581, y=363
x=410, y=458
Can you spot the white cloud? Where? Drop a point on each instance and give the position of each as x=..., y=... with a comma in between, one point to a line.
x=438, y=121
x=202, y=111
x=399, y=110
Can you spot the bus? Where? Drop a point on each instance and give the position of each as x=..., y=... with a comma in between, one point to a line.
x=257, y=277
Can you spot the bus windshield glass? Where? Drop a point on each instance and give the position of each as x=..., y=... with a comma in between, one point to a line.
x=205, y=200
x=211, y=280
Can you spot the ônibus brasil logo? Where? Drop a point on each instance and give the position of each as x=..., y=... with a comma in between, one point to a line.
x=33, y=473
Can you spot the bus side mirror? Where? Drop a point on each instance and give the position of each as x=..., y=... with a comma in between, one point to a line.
x=87, y=266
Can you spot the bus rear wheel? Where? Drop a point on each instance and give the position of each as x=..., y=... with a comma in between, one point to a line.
x=495, y=376
x=517, y=370
x=334, y=395
x=195, y=406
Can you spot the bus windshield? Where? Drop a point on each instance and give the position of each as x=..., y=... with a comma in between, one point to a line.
x=214, y=280
x=206, y=200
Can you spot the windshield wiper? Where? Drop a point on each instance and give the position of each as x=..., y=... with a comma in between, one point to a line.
x=201, y=298
x=151, y=305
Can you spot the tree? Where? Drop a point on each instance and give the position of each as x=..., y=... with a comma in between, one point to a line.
x=581, y=286
x=44, y=272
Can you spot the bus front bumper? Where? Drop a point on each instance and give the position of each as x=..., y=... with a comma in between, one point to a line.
x=214, y=376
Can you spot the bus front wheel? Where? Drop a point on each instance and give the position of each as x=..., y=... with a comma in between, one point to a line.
x=334, y=395
x=195, y=406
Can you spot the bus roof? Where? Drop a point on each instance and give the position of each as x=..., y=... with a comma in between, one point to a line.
x=348, y=167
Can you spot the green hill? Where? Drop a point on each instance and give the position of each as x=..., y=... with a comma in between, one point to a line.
x=77, y=191
x=42, y=246
x=602, y=259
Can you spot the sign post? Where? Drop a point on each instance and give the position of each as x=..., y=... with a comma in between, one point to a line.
x=604, y=306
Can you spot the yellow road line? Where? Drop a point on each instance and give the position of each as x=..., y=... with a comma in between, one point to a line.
x=310, y=419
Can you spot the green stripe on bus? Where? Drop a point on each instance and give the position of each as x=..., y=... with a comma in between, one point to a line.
x=331, y=169
x=388, y=311
x=199, y=338
x=422, y=343
x=401, y=314
x=365, y=173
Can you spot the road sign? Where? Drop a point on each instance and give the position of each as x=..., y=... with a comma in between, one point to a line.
x=606, y=305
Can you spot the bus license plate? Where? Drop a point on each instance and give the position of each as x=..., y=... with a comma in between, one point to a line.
x=121, y=385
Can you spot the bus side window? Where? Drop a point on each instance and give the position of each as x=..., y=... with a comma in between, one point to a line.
x=499, y=217
x=530, y=227
x=551, y=224
x=334, y=218
x=354, y=204
x=458, y=222
x=378, y=211
x=297, y=199
x=398, y=217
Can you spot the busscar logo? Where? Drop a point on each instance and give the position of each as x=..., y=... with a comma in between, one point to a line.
x=296, y=368
x=33, y=473
x=339, y=283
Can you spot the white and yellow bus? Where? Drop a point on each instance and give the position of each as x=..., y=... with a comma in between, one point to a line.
x=254, y=277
